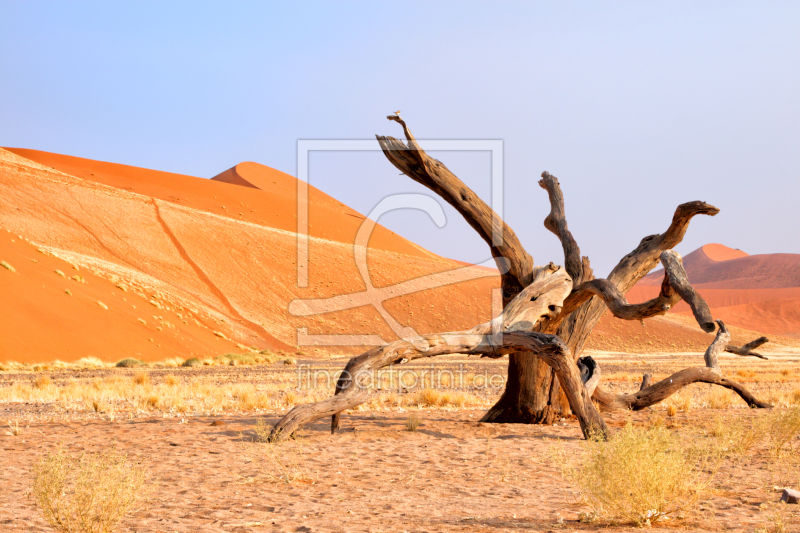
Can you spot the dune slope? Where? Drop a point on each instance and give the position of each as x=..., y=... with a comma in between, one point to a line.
x=227, y=251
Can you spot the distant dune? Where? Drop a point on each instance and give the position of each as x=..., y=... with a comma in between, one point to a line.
x=756, y=292
x=715, y=266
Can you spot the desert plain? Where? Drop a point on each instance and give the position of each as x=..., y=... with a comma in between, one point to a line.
x=189, y=280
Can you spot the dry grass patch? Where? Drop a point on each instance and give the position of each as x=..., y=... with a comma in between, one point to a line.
x=412, y=422
x=279, y=463
x=639, y=476
x=88, y=493
x=783, y=428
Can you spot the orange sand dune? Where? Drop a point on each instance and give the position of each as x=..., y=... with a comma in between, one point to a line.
x=720, y=252
x=221, y=254
x=715, y=266
x=778, y=317
x=274, y=204
x=228, y=252
x=96, y=318
x=757, y=292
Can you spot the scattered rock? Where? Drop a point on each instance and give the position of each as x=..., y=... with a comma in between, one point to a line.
x=790, y=496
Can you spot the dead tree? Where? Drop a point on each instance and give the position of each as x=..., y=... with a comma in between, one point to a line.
x=548, y=315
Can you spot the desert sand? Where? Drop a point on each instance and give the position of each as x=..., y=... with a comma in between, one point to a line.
x=451, y=474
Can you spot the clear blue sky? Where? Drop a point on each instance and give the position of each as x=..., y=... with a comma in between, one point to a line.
x=635, y=106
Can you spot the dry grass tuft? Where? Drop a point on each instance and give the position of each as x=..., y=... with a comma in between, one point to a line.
x=130, y=362
x=280, y=462
x=88, y=493
x=42, y=382
x=412, y=423
x=733, y=437
x=783, y=428
x=141, y=378
x=795, y=399
x=192, y=362
x=719, y=398
x=14, y=429
x=640, y=476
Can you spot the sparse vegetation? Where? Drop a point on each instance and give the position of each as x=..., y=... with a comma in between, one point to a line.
x=281, y=463
x=640, y=476
x=192, y=362
x=14, y=429
x=412, y=422
x=130, y=362
x=783, y=428
x=88, y=493
x=7, y=266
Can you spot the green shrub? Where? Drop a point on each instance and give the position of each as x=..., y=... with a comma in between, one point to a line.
x=192, y=362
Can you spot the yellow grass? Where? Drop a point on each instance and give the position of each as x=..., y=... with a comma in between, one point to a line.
x=640, y=476
x=88, y=493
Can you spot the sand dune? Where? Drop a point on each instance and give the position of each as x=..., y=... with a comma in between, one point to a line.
x=227, y=251
x=715, y=266
x=216, y=259
x=756, y=292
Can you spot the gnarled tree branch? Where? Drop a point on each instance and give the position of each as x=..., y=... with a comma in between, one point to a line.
x=747, y=349
x=412, y=160
x=352, y=388
x=655, y=393
x=577, y=267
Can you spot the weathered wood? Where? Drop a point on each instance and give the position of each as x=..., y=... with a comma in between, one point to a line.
x=665, y=388
x=541, y=300
x=647, y=379
x=747, y=349
x=631, y=268
x=352, y=388
x=556, y=222
x=722, y=339
x=651, y=394
x=533, y=392
x=590, y=373
x=679, y=281
x=358, y=374
x=412, y=161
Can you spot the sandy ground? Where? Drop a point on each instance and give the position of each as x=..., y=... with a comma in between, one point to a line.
x=452, y=474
